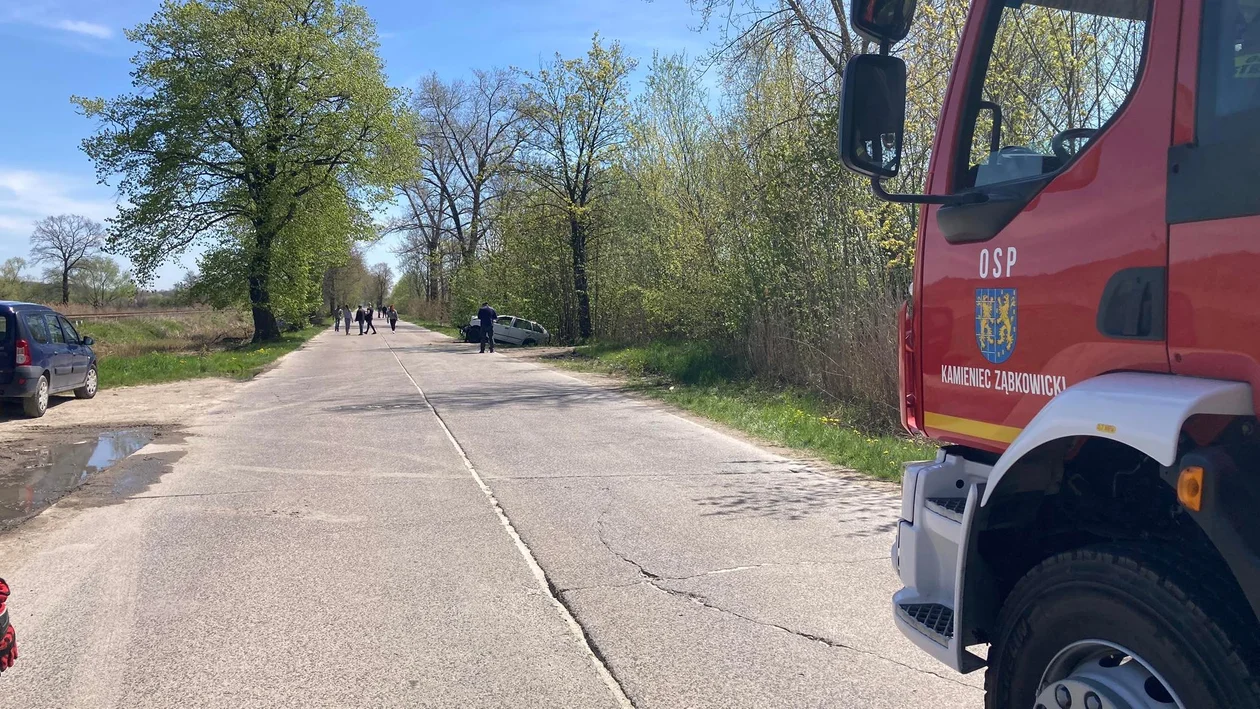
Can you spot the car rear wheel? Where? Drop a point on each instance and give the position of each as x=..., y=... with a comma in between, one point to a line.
x=88, y=390
x=1123, y=627
x=36, y=404
x=528, y=343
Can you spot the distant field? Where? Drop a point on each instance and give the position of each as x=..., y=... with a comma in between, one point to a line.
x=191, y=333
x=148, y=350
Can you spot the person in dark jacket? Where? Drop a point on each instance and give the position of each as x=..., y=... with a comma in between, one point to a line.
x=368, y=316
x=487, y=316
x=393, y=318
x=359, y=317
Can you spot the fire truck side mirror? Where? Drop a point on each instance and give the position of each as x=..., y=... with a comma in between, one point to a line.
x=873, y=115
x=882, y=21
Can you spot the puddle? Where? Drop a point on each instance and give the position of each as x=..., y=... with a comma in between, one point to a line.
x=46, y=473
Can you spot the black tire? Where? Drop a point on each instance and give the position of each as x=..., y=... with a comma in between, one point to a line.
x=1184, y=618
x=90, y=384
x=528, y=343
x=37, y=405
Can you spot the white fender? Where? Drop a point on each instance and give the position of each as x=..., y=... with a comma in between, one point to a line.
x=1145, y=411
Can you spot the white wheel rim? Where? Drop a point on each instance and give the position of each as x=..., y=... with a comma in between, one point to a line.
x=1097, y=674
x=91, y=381
x=42, y=396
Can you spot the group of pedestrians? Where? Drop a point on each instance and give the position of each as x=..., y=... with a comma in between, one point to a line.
x=363, y=316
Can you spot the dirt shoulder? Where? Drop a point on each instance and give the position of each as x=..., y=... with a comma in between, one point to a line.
x=166, y=405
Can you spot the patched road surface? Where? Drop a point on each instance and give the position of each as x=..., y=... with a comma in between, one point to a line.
x=399, y=521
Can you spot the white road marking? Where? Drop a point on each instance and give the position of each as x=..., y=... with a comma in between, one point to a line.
x=574, y=627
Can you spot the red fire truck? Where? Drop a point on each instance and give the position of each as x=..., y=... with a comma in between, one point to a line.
x=1083, y=336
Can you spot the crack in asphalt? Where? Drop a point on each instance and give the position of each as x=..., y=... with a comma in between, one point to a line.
x=703, y=601
x=654, y=580
x=596, y=655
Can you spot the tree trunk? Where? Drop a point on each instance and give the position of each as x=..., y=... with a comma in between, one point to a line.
x=265, y=327
x=577, y=239
x=435, y=271
x=65, y=286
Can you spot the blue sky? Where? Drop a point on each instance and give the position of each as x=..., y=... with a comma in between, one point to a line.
x=52, y=49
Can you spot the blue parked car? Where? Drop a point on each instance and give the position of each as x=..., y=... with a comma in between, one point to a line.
x=42, y=354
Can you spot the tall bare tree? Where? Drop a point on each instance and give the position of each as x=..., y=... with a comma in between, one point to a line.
x=745, y=26
x=471, y=133
x=62, y=242
x=425, y=228
x=382, y=278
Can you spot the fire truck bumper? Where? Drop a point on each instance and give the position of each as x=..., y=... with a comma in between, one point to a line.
x=937, y=498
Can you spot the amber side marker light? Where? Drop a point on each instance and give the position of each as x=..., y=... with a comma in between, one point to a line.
x=1190, y=487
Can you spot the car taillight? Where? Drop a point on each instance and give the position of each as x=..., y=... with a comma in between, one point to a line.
x=23, y=353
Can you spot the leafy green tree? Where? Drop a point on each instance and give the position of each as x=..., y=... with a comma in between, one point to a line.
x=12, y=287
x=577, y=112
x=344, y=282
x=102, y=282
x=249, y=115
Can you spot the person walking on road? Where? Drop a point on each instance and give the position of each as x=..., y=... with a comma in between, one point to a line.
x=359, y=317
x=345, y=313
x=393, y=319
x=487, y=316
x=368, y=317
x=337, y=320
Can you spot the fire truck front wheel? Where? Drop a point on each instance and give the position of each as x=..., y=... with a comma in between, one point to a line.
x=1122, y=627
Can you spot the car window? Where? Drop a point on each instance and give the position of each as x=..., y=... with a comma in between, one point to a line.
x=71, y=334
x=39, y=329
x=54, y=330
x=4, y=329
x=538, y=328
x=505, y=320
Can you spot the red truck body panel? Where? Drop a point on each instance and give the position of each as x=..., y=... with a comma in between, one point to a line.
x=1105, y=212
x=1214, y=300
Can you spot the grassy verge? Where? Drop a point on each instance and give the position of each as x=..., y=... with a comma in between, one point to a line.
x=694, y=377
x=151, y=350
x=448, y=330
x=128, y=337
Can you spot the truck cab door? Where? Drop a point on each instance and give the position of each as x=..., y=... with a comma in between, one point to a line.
x=1063, y=123
x=1214, y=196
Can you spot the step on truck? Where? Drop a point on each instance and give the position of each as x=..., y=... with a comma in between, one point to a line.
x=1083, y=337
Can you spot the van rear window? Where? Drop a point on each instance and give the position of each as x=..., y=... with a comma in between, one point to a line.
x=5, y=328
x=38, y=327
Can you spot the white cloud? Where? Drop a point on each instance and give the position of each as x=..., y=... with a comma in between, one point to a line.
x=26, y=196
x=46, y=15
x=29, y=195
x=90, y=29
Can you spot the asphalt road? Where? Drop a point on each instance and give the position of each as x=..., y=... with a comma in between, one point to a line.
x=396, y=520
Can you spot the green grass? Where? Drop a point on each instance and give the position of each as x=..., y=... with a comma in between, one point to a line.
x=698, y=378
x=195, y=332
x=240, y=362
x=448, y=330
